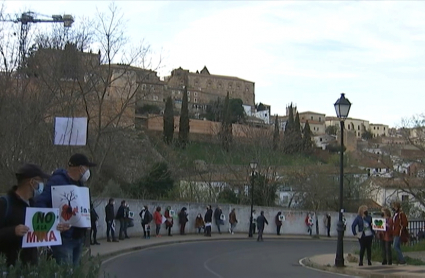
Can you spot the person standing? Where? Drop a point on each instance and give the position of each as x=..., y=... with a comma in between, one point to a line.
x=327, y=223
x=386, y=237
x=362, y=228
x=199, y=223
x=109, y=218
x=233, y=221
x=146, y=217
x=183, y=220
x=122, y=216
x=309, y=223
x=169, y=222
x=12, y=215
x=254, y=221
x=77, y=173
x=208, y=221
x=261, y=221
x=399, y=230
x=278, y=222
x=157, y=217
x=217, y=218
x=94, y=218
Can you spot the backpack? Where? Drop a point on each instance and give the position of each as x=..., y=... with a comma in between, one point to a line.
x=7, y=212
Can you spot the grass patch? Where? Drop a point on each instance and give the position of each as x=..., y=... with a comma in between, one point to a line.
x=377, y=253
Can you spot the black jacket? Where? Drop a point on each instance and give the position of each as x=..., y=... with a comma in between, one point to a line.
x=208, y=216
x=109, y=212
x=147, y=217
x=93, y=217
x=10, y=244
x=261, y=220
x=183, y=217
x=217, y=214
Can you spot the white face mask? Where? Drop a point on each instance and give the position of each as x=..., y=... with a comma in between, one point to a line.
x=85, y=177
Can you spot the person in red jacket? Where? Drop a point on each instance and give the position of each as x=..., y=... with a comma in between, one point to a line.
x=157, y=217
x=399, y=230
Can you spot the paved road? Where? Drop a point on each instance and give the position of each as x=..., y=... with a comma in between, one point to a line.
x=223, y=259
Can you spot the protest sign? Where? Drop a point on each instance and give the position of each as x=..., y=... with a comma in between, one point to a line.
x=73, y=203
x=42, y=223
x=70, y=131
x=379, y=224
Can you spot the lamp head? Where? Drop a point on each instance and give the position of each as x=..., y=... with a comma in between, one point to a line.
x=342, y=107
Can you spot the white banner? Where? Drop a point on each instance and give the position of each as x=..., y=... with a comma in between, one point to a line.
x=73, y=203
x=42, y=223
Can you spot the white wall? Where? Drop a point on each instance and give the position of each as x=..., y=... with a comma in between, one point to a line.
x=294, y=223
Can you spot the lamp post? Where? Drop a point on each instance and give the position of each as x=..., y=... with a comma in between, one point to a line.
x=342, y=108
x=253, y=166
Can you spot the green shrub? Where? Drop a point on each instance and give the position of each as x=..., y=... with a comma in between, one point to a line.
x=47, y=267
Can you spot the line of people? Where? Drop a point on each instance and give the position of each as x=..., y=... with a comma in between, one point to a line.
x=158, y=219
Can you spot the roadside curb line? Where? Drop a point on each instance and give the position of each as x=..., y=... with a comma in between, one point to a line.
x=347, y=271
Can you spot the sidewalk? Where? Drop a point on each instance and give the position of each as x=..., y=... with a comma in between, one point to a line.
x=326, y=262
x=110, y=249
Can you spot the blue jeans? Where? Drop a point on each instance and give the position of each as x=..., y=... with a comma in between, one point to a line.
x=69, y=252
x=397, y=249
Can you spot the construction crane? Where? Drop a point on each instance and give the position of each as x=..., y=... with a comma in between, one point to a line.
x=31, y=17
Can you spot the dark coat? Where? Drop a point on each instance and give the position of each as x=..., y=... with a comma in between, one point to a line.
x=147, y=217
x=59, y=177
x=121, y=212
x=261, y=221
x=10, y=244
x=217, y=214
x=208, y=216
x=109, y=212
x=93, y=217
x=183, y=217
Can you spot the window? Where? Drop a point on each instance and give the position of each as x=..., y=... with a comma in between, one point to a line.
x=155, y=97
x=358, y=127
x=405, y=198
x=188, y=99
x=320, y=119
x=195, y=100
x=311, y=117
x=143, y=86
x=188, y=93
x=195, y=94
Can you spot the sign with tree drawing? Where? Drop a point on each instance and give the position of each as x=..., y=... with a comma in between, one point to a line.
x=73, y=203
x=42, y=223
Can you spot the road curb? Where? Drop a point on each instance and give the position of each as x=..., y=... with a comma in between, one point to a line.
x=349, y=270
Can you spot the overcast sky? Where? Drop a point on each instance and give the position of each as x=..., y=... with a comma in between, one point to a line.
x=304, y=52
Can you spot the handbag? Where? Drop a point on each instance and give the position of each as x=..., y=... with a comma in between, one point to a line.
x=404, y=236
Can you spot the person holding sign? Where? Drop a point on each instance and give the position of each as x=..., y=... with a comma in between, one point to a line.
x=386, y=237
x=12, y=214
x=75, y=176
x=278, y=222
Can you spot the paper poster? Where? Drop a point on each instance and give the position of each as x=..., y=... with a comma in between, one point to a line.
x=70, y=131
x=282, y=217
x=163, y=219
x=379, y=224
x=73, y=203
x=222, y=217
x=42, y=223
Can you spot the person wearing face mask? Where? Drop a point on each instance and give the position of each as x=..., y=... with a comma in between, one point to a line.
x=362, y=229
x=77, y=173
x=12, y=214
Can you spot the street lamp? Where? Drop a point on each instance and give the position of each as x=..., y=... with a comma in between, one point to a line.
x=253, y=165
x=342, y=108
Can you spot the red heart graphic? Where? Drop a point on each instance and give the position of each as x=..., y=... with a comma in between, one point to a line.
x=65, y=212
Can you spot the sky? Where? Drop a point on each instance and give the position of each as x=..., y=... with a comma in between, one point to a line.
x=301, y=52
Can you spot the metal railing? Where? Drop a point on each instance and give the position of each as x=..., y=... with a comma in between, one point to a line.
x=416, y=229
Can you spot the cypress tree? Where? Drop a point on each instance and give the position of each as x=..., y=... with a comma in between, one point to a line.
x=297, y=135
x=288, y=144
x=226, y=125
x=307, y=140
x=276, y=134
x=184, y=121
x=168, y=131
